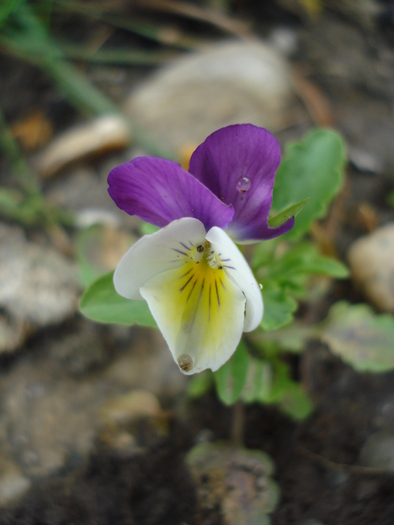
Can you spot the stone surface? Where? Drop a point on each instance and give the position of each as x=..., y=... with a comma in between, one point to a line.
x=130, y=406
x=124, y=418
x=38, y=286
x=225, y=84
x=79, y=188
x=55, y=403
x=103, y=134
x=150, y=367
x=83, y=190
x=237, y=480
x=12, y=333
x=13, y=484
x=371, y=260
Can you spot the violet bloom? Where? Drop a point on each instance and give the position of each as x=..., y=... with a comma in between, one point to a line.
x=196, y=282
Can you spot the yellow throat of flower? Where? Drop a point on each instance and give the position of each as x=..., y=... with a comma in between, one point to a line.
x=202, y=298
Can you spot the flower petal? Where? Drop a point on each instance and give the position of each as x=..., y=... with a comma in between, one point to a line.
x=153, y=254
x=239, y=271
x=201, y=319
x=159, y=191
x=199, y=289
x=238, y=164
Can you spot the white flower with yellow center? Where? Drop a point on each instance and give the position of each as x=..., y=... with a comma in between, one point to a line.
x=199, y=289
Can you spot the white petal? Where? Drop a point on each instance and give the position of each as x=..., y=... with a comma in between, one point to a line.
x=159, y=252
x=239, y=270
x=200, y=311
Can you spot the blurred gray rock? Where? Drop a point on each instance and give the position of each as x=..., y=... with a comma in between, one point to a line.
x=236, y=480
x=150, y=367
x=84, y=191
x=225, y=84
x=371, y=261
x=13, y=484
x=100, y=135
x=79, y=188
x=123, y=417
x=125, y=409
x=55, y=403
x=38, y=286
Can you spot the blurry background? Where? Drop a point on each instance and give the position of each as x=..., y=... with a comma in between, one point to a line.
x=94, y=419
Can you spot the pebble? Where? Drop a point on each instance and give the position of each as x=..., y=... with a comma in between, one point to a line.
x=56, y=405
x=127, y=408
x=101, y=135
x=365, y=160
x=38, y=286
x=236, y=480
x=150, y=366
x=125, y=418
x=225, y=84
x=284, y=40
x=371, y=261
x=79, y=189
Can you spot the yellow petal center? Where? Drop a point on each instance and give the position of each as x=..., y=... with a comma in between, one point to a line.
x=199, y=306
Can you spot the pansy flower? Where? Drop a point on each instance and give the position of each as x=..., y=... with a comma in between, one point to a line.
x=195, y=280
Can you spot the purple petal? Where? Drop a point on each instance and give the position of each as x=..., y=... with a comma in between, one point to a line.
x=159, y=191
x=263, y=233
x=238, y=164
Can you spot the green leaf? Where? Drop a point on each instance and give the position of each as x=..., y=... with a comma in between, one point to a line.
x=296, y=403
x=259, y=382
x=360, y=337
x=6, y=9
x=230, y=378
x=270, y=383
x=101, y=303
x=263, y=253
x=279, y=307
x=283, y=216
x=255, y=380
x=292, y=338
x=311, y=168
x=303, y=259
